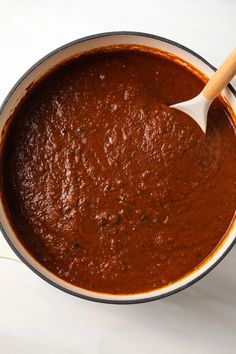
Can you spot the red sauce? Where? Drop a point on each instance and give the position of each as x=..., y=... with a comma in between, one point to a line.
x=108, y=187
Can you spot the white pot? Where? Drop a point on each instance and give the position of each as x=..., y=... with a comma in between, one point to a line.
x=19, y=90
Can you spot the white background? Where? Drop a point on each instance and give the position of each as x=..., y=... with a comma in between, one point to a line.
x=35, y=317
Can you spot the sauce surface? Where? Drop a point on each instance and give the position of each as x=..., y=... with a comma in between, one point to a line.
x=109, y=188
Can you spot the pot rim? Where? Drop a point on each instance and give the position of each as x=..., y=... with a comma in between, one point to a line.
x=22, y=258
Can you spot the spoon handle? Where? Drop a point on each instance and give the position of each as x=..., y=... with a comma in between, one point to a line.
x=221, y=77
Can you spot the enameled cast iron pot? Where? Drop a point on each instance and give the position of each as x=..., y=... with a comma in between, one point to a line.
x=18, y=91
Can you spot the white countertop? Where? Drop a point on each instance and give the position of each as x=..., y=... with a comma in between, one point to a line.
x=34, y=316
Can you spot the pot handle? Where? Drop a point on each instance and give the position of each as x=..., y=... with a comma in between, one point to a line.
x=5, y=250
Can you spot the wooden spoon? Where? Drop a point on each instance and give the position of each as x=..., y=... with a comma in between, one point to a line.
x=197, y=108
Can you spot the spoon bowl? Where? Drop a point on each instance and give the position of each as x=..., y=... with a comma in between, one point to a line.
x=197, y=107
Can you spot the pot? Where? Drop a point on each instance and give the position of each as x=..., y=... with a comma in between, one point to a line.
x=19, y=90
